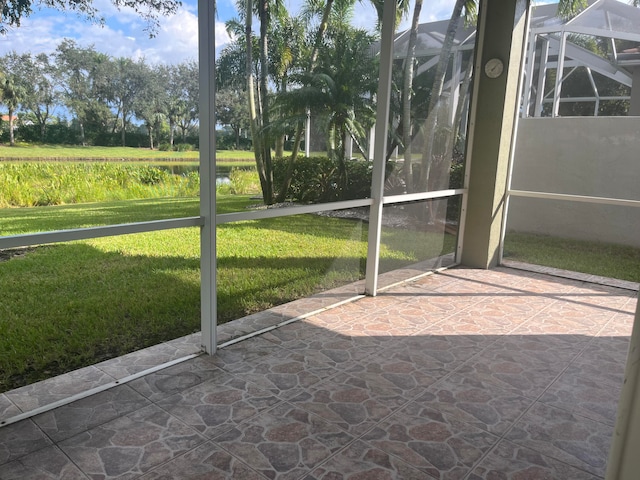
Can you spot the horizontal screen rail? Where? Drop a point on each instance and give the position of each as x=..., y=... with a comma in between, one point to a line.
x=42, y=238
x=58, y=236
x=416, y=197
x=575, y=198
x=288, y=211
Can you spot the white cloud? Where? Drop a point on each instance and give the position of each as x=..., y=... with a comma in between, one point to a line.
x=176, y=39
x=177, y=36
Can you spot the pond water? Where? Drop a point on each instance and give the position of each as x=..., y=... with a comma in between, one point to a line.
x=222, y=176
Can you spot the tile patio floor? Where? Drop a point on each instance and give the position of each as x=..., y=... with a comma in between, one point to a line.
x=463, y=374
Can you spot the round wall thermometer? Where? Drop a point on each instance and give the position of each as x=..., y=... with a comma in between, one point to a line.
x=493, y=68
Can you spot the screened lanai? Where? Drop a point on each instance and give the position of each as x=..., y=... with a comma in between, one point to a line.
x=604, y=73
x=474, y=243
x=557, y=45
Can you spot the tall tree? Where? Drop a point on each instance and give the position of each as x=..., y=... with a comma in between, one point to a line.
x=436, y=100
x=232, y=110
x=407, y=95
x=37, y=76
x=150, y=103
x=79, y=71
x=127, y=81
x=286, y=54
x=181, y=93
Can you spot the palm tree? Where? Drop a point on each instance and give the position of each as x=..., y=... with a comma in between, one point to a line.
x=407, y=94
x=344, y=9
x=339, y=93
x=311, y=7
x=435, y=99
x=259, y=110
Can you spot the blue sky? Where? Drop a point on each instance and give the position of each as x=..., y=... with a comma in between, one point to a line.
x=176, y=41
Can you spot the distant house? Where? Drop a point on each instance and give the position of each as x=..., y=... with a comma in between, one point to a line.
x=5, y=118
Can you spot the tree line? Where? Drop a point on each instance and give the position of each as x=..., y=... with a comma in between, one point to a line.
x=105, y=96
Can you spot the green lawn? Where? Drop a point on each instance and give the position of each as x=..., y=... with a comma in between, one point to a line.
x=595, y=258
x=70, y=305
x=43, y=152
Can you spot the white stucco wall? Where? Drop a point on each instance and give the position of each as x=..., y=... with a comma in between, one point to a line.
x=582, y=156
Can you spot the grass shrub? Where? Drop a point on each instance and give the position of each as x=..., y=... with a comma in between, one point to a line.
x=244, y=182
x=28, y=184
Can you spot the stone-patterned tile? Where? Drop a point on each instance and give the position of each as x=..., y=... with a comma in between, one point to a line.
x=19, y=439
x=208, y=461
x=249, y=324
x=467, y=323
x=436, y=443
x=295, y=333
x=499, y=311
x=189, y=344
x=539, y=349
x=234, y=356
x=511, y=371
x=433, y=306
x=401, y=374
x=618, y=326
x=283, y=375
x=600, y=296
x=476, y=402
x=218, y=405
x=512, y=462
x=606, y=349
x=345, y=313
x=578, y=441
x=131, y=445
x=359, y=335
x=178, y=378
x=472, y=284
x=57, y=388
x=362, y=461
x=438, y=302
x=603, y=360
x=584, y=396
x=436, y=354
x=141, y=360
x=284, y=443
x=334, y=350
x=387, y=325
x=7, y=408
x=565, y=320
x=354, y=404
x=631, y=305
x=47, y=464
x=82, y=415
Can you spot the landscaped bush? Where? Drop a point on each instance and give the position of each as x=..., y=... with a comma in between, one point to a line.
x=227, y=141
x=317, y=179
x=184, y=147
